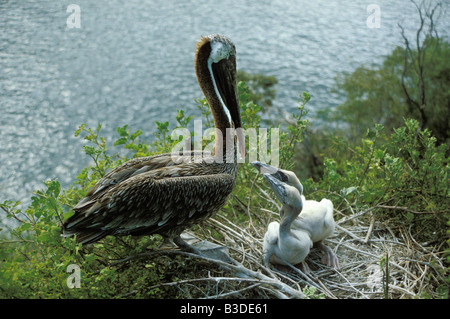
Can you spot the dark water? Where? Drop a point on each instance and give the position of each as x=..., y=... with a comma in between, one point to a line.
x=131, y=62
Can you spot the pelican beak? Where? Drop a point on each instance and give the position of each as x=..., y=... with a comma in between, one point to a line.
x=288, y=195
x=264, y=168
x=278, y=187
x=267, y=169
x=225, y=76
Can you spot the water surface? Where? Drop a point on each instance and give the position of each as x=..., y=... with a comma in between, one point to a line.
x=131, y=62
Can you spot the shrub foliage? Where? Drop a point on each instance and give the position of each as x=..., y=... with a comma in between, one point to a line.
x=403, y=174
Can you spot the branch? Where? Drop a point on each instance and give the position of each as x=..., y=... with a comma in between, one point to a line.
x=410, y=100
x=12, y=214
x=277, y=287
x=424, y=13
x=406, y=209
x=214, y=279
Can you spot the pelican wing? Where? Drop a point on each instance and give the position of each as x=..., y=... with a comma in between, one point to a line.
x=132, y=168
x=126, y=170
x=146, y=204
x=316, y=218
x=272, y=234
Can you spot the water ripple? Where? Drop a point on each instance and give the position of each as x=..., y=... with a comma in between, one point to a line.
x=131, y=62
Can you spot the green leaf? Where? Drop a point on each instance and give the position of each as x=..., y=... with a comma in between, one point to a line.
x=68, y=215
x=44, y=237
x=24, y=227
x=80, y=129
x=123, y=130
x=135, y=135
x=120, y=141
x=162, y=126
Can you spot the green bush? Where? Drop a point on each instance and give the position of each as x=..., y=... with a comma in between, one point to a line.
x=375, y=94
x=403, y=174
x=35, y=257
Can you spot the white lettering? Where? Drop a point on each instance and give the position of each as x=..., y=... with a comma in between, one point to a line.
x=197, y=309
x=374, y=19
x=74, y=20
x=74, y=280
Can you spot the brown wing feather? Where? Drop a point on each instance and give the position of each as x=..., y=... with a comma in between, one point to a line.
x=145, y=205
x=129, y=169
x=150, y=195
x=123, y=172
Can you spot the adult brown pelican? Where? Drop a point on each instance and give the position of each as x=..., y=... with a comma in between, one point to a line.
x=157, y=195
x=304, y=223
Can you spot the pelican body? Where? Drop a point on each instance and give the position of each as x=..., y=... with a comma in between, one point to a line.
x=304, y=223
x=157, y=195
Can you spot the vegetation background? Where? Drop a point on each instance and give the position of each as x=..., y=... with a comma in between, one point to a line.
x=385, y=164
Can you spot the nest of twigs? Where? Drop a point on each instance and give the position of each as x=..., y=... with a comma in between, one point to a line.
x=376, y=260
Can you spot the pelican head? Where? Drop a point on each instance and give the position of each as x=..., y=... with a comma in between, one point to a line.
x=215, y=66
x=282, y=175
x=288, y=195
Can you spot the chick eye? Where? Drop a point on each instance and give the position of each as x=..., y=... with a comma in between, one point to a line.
x=283, y=177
